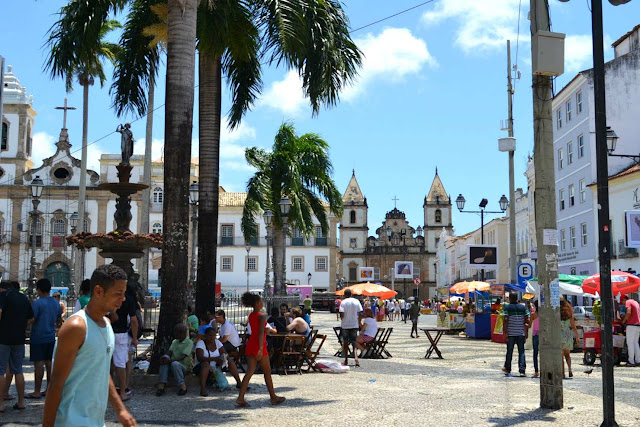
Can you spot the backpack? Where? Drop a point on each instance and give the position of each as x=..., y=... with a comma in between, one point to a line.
x=140, y=328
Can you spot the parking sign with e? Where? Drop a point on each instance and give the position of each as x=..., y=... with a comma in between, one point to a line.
x=525, y=272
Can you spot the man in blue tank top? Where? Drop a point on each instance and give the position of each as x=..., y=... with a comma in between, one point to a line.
x=80, y=383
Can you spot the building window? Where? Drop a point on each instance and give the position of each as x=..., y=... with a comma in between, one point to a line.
x=297, y=239
x=572, y=196
x=572, y=236
x=583, y=191
x=559, y=118
x=255, y=239
x=297, y=263
x=321, y=263
x=321, y=239
x=580, y=146
x=156, y=227
x=438, y=215
x=226, y=263
x=561, y=199
x=252, y=263
x=59, y=227
x=579, y=102
x=38, y=233
x=563, y=240
x=560, y=158
x=568, y=111
x=583, y=229
x=570, y=152
x=158, y=195
x=353, y=274
x=226, y=233
x=5, y=136
x=352, y=217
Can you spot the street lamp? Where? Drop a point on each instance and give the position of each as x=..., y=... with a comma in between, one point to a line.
x=309, y=279
x=503, y=202
x=612, y=140
x=73, y=221
x=268, y=220
x=248, y=248
x=194, y=195
x=285, y=207
x=36, y=191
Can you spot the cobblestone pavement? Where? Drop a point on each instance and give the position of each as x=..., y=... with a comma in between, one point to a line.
x=465, y=389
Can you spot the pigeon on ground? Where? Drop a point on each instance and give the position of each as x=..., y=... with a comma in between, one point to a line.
x=588, y=371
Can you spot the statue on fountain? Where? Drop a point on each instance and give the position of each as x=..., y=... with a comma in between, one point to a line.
x=126, y=142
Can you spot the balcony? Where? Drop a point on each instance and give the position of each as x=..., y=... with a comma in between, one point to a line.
x=321, y=241
x=226, y=241
x=297, y=241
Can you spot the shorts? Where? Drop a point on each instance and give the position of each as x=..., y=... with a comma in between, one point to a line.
x=198, y=368
x=40, y=352
x=414, y=321
x=121, y=350
x=366, y=338
x=14, y=356
x=349, y=335
x=228, y=347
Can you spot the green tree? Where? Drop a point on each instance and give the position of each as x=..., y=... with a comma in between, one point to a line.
x=300, y=169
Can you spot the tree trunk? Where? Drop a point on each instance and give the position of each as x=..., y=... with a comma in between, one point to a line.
x=181, y=40
x=210, y=107
x=278, y=242
x=82, y=189
x=143, y=268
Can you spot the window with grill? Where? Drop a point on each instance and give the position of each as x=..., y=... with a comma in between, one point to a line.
x=580, y=146
x=297, y=263
x=572, y=236
x=297, y=239
x=583, y=229
x=321, y=239
x=438, y=215
x=38, y=233
x=252, y=263
x=352, y=217
x=416, y=272
x=158, y=195
x=570, y=152
x=226, y=263
x=59, y=228
x=321, y=263
x=156, y=228
x=572, y=196
x=226, y=235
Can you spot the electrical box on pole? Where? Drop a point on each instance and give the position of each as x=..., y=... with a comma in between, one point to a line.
x=548, y=53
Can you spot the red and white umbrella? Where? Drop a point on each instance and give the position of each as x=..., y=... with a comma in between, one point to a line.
x=621, y=283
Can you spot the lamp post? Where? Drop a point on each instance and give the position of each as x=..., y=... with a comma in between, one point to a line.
x=309, y=279
x=285, y=207
x=248, y=248
x=419, y=232
x=73, y=221
x=36, y=191
x=504, y=204
x=194, y=195
x=268, y=220
x=612, y=140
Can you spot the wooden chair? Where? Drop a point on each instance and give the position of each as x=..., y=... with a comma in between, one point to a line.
x=371, y=346
x=338, y=331
x=380, y=350
x=311, y=353
x=292, y=354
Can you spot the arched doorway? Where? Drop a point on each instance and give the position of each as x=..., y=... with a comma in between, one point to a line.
x=58, y=274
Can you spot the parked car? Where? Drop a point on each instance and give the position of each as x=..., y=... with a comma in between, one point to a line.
x=583, y=312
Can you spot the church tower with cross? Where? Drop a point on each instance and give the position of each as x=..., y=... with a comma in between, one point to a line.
x=353, y=226
x=437, y=213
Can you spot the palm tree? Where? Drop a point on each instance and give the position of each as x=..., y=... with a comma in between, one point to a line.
x=77, y=48
x=299, y=168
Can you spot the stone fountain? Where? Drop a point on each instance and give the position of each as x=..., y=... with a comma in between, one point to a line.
x=121, y=245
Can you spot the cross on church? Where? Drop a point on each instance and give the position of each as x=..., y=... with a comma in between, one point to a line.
x=65, y=108
x=395, y=202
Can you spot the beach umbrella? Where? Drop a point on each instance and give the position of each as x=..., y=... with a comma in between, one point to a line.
x=369, y=289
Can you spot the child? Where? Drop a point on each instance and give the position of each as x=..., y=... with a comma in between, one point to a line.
x=256, y=349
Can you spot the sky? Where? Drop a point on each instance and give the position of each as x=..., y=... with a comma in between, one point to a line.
x=431, y=93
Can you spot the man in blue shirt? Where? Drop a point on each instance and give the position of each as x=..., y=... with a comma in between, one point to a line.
x=516, y=325
x=46, y=314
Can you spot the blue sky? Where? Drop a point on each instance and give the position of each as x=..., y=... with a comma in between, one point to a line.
x=431, y=93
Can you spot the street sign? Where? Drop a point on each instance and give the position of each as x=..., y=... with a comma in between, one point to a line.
x=525, y=272
x=417, y=281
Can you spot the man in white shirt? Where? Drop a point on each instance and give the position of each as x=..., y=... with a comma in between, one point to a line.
x=231, y=342
x=350, y=313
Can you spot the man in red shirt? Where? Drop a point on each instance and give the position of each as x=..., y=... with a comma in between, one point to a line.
x=632, y=320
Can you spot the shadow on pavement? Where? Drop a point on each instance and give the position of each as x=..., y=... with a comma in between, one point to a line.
x=538, y=414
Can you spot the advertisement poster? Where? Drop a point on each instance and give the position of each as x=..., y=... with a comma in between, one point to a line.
x=632, y=219
x=365, y=274
x=482, y=257
x=403, y=269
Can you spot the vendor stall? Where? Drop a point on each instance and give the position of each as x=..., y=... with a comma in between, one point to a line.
x=452, y=321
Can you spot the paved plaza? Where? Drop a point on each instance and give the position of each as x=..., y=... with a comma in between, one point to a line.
x=465, y=389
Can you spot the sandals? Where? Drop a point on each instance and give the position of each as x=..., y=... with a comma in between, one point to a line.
x=17, y=407
x=204, y=393
x=242, y=404
x=31, y=396
x=357, y=364
x=279, y=400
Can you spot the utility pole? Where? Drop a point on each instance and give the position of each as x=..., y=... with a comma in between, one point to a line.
x=551, y=393
x=513, y=266
x=143, y=268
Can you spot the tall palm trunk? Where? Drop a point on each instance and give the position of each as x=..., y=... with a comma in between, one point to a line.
x=181, y=41
x=146, y=194
x=210, y=105
x=278, y=243
x=85, y=81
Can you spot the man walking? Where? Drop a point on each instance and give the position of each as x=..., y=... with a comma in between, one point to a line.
x=46, y=314
x=414, y=313
x=80, y=382
x=125, y=316
x=516, y=324
x=632, y=320
x=15, y=311
x=307, y=305
x=350, y=312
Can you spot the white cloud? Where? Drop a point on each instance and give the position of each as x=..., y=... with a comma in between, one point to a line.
x=482, y=25
x=232, y=146
x=392, y=55
x=157, y=147
x=43, y=147
x=578, y=52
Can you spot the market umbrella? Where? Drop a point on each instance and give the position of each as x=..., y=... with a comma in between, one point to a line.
x=464, y=287
x=621, y=283
x=369, y=289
